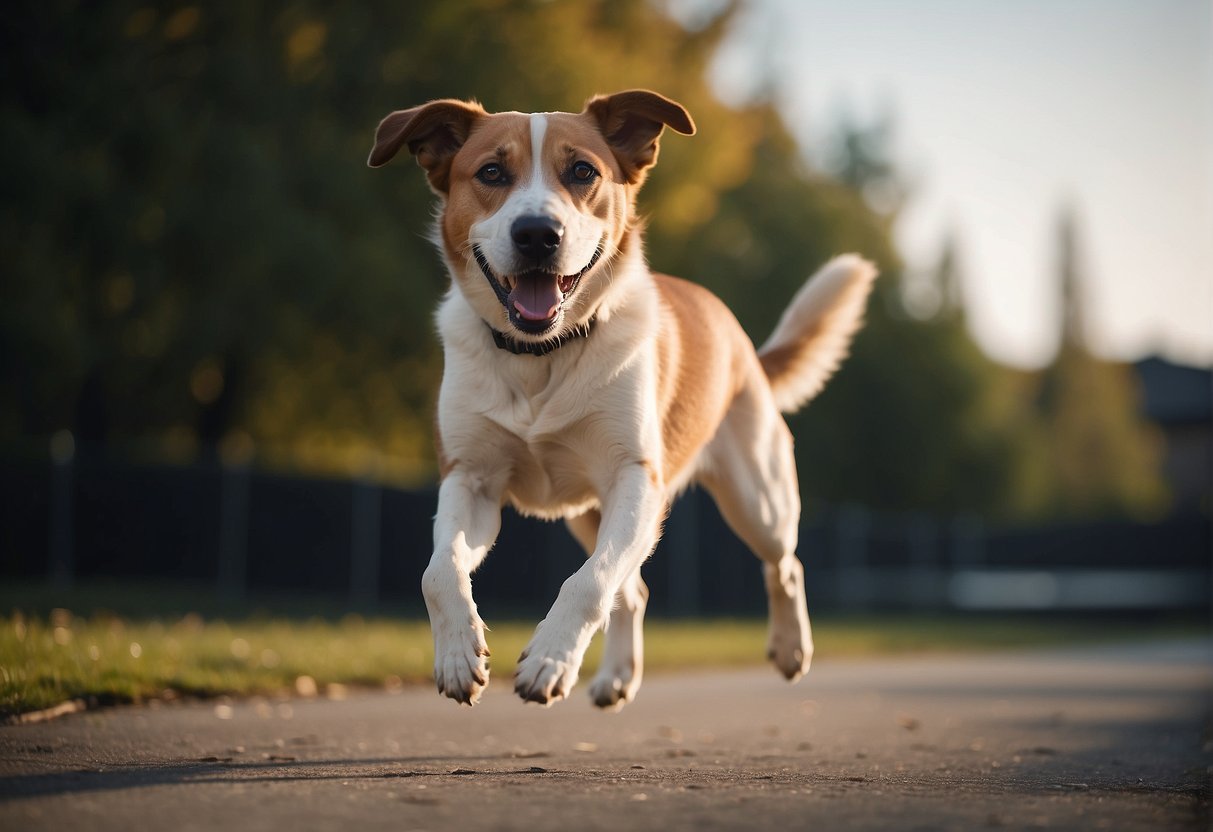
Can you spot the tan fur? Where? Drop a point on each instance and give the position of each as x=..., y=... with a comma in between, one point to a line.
x=813, y=335
x=702, y=364
x=606, y=430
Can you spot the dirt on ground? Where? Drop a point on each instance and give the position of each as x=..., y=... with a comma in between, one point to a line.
x=1108, y=738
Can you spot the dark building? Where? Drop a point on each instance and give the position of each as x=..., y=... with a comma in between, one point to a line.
x=1179, y=399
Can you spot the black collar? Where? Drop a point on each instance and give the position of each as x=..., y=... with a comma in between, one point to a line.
x=509, y=344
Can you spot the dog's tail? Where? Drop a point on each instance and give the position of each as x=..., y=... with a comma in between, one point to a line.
x=815, y=332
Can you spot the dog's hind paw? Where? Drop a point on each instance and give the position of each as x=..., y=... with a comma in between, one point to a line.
x=461, y=667
x=791, y=656
x=610, y=692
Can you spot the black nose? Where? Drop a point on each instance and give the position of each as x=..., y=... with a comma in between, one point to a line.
x=536, y=237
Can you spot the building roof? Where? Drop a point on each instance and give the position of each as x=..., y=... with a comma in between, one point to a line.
x=1176, y=394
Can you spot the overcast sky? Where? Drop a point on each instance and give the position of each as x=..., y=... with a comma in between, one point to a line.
x=1004, y=111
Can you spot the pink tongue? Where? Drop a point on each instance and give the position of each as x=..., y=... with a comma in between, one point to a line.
x=536, y=297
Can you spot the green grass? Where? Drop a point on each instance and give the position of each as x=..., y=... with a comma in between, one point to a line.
x=51, y=654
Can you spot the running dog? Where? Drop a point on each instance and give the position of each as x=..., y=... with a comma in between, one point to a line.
x=583, y=386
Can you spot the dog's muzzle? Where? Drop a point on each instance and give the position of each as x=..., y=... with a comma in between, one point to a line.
x=534, y=299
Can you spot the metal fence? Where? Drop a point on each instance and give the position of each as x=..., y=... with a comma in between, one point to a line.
x=249, y=531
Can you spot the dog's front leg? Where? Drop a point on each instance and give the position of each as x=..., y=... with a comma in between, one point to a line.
x=468, y=519
x=631, y=517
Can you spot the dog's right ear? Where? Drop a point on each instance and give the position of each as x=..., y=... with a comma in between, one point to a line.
x=433, y=133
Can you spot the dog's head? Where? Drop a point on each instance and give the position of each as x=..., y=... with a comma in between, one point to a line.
x=535, y=206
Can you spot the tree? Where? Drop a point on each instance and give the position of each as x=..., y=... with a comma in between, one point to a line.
x=198, y=251
x=918, y=418
x=1105, y=458
x=948, y=279
x=196, y=254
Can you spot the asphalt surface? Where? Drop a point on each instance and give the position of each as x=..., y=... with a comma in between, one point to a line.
x=1110, y=738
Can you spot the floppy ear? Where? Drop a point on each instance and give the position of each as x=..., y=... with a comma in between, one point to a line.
x=632, y=121
x=433, y=133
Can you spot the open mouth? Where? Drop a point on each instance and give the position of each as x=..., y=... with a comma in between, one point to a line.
x=533, y=299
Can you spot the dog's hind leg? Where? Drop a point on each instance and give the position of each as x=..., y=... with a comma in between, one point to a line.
x=618, y=677
x=751, y=474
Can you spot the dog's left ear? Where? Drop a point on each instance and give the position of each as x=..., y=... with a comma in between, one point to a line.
x=632, y=121
x=433, y=132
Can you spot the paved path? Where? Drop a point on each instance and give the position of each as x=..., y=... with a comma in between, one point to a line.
x=1091, y=739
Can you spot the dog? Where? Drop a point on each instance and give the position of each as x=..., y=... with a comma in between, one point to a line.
x=580, y=385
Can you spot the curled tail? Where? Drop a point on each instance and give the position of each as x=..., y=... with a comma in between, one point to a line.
x=815, y=332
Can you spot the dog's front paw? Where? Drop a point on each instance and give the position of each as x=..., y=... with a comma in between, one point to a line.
x=461, y=668
x=546, y=671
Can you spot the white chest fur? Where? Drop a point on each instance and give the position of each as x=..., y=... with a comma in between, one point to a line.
x=552, y=429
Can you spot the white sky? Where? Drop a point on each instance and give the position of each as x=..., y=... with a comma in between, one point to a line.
x=1004, y=110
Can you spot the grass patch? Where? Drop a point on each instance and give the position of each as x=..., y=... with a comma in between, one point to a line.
x=49, y=655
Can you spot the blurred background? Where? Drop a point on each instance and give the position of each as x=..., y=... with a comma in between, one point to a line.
x=216, y=341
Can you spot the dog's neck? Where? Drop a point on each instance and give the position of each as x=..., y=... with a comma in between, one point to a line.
x=505, y=342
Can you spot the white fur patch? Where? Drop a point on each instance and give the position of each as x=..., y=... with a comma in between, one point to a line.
x=539, y=194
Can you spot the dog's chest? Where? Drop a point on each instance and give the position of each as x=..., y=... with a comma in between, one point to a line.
x=532, y=427
x=549, y=477
x=551, y=459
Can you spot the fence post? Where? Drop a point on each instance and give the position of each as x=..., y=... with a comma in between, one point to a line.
x=682, y=539
x=62, y=527
x=365, y=542
x=854, y=577
x=926, y=589
x=968, y=541
x=234, y=486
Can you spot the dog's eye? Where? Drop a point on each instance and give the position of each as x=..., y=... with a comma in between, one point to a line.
x=583, y=172
x=492, y=174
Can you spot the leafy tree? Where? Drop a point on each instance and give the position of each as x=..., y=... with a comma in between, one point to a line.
x=918, y=418
x=197, y=249
x=949, y=280
x=196, y=254
x=1105, y=458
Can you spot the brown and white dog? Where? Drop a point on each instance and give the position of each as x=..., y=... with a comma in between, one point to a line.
x=580, y=385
